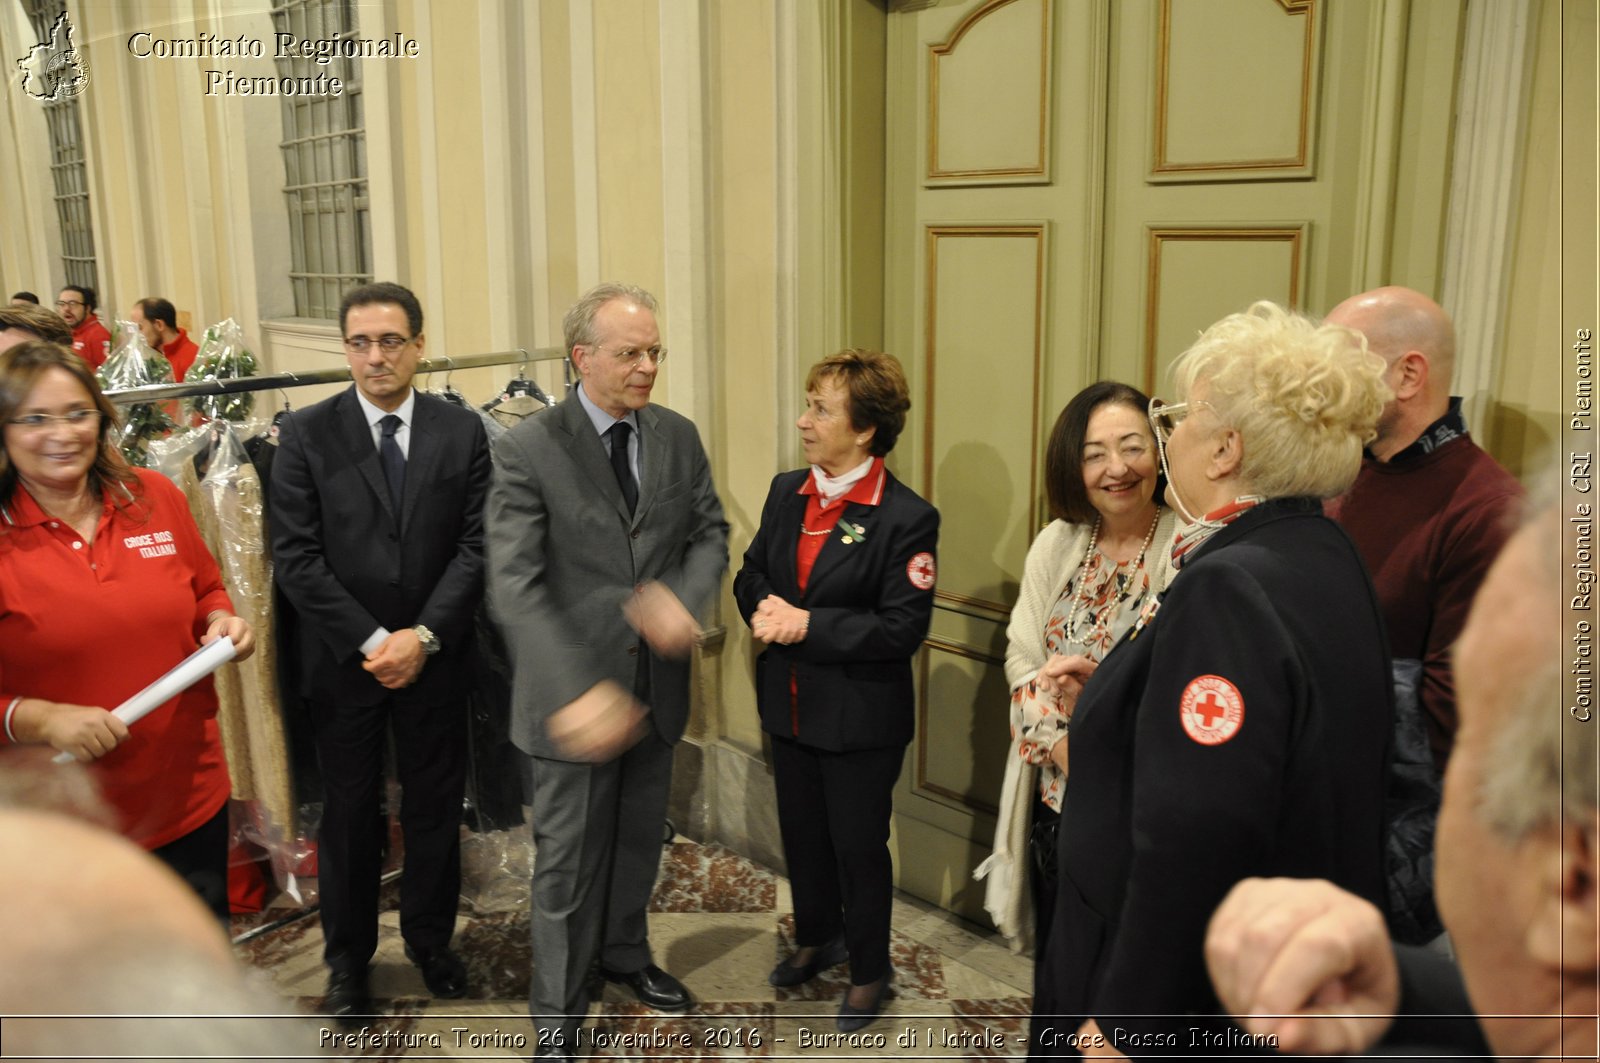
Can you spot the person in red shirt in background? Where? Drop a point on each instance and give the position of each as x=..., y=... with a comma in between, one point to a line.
x=90, y=339
x=158, y=321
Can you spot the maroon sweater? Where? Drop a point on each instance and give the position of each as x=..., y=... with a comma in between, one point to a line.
x=1428, y=526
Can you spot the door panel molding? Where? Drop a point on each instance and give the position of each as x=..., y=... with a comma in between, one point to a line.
x=1296, y=163
x=998, y=98
x=1293, y=235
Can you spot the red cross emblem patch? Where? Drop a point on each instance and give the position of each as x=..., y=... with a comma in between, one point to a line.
x=1211, y=710
x=919, y=570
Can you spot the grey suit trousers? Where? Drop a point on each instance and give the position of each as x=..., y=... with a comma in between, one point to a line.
x=598, y=832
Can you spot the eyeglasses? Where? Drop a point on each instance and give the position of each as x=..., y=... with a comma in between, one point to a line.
x=1165, y=417
x=389, y=344
x=62, y=304
x=635, y=355
x=72, y=419
x=1129, y=452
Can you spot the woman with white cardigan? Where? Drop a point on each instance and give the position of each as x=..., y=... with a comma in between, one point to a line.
x=1104, y=557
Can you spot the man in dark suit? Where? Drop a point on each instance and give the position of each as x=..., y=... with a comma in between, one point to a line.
x=605, y=533
x=377, y=537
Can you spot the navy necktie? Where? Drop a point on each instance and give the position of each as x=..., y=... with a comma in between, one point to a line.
x=393, y=460
x=619, y=464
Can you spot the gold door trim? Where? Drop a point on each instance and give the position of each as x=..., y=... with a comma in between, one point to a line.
x=935, y=233
x=1237, y=169
x=1293, y=235
x=1039, y=172
x=919, y=780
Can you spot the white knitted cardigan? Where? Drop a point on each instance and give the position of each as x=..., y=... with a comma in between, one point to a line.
x=1052, y=561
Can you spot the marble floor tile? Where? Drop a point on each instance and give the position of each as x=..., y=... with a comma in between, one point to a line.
x=720, y=957
x=710, y=878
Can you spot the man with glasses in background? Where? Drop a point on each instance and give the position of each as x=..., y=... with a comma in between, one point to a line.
x=92, y=340
x=605, y=536
x=377, y=538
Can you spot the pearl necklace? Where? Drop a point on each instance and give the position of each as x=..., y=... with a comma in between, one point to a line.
x=1081, y=599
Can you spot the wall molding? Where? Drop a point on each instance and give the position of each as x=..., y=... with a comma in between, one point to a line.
x=1294, y=235
x=919, y=777
x=1035, y=231
x=691, y=387
x=1298, y=165
x=1037, y=172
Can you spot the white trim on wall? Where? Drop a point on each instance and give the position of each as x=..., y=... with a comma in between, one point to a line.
x=690, y=386
x=585, y=144
x=786, y=28
x=500, y=113
x=540, y=325
x=384, y=199
x=429, y=286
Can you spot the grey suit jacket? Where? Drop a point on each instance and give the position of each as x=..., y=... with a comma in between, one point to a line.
x=564, y=556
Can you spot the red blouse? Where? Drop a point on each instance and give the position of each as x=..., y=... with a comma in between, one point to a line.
x=819, y=522
x=96, y=624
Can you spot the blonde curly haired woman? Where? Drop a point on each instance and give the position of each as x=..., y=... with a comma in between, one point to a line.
x=1241, y=728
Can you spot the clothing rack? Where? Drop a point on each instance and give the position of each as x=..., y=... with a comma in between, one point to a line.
x=233, y=385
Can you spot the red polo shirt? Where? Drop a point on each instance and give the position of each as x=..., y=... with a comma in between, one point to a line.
x=93, y=624
x=92, y=341
x=181, y=353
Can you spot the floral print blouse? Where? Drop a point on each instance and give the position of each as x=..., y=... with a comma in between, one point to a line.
x=1115, y=593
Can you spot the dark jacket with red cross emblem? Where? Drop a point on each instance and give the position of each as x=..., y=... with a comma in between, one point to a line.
x=847, y=685
x=1243, y=731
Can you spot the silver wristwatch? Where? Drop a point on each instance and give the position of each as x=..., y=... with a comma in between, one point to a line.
x=430, y=641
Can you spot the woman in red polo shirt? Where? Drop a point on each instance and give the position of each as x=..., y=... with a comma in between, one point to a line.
x=838, y=585
x=105, y=584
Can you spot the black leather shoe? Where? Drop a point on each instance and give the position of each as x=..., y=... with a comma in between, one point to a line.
x=788, y=973
x=654, y=987
x=442, y=971
x=555, y=1046
x=852, y=1018
x=347, y=996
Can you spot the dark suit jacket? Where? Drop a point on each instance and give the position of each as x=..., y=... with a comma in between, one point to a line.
x=852, y=671
x=564, y=555
x=349, y=563
x=1275, y=614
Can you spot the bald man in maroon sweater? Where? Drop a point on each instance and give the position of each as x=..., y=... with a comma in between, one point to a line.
x=1429, y=512
x=1430, y=509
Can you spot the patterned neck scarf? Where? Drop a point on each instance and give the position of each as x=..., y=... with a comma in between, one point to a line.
x=1190, y=536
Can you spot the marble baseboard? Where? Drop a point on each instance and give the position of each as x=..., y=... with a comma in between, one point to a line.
x=744, y=805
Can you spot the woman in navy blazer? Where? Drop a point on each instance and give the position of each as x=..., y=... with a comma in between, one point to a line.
x=838, y=585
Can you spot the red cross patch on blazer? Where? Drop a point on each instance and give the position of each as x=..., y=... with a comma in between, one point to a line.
x=920, y=571
x=1211, y=710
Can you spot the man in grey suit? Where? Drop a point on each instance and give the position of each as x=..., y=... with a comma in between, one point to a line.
x=605, y=535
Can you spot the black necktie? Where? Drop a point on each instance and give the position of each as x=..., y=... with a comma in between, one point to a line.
x=394, y=462
x=619, y=464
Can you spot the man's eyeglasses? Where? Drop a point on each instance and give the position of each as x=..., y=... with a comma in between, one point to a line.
x=635, y=355
x=72, y=419
x=62, y=304
x=390, y=344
